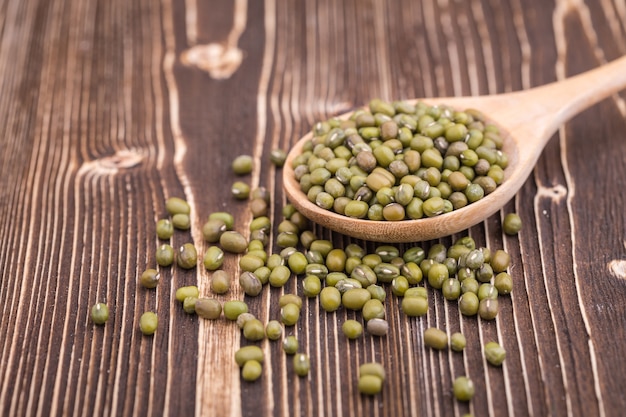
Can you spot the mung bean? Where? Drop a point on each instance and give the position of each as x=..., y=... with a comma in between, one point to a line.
x=148, y=323
x=248, y=353
x=352, y=329
x=494, y=353
x=149, y=278
x=208, y=308
x=301, y=364
x=99, y=313
x=290, y=345
x=251, y=370
x=164, y=229
x=463, y=388
x=435, y=338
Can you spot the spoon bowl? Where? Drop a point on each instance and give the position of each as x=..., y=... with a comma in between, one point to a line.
x=527, y=120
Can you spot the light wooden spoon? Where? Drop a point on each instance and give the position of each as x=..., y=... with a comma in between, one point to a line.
x=528, y=119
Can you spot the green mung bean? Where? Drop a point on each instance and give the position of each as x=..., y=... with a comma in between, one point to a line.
x=164, y=229
x=187, y=291
x=463, y=388
x=512, y=224
x=330, y=299
x=248, y=353
x=488, y=308
x=176, y=205
x=250, y=284
x=220, y=282
x=301, y=364
x=233, y=308
x=273, y=330
x=289, y=314
x=377, y=326
x=234, y=242
x=279, y=276
x=187, y=257
x=148, y=323
x=500, y=261
x=311, y=286
x=250, y=262
x=494, y=353
x=435, y=338
x=457, y=342
x=165, y=255
x=352, y=329
x=243, y=318
x=290, y=299
x=99, y=313
x=370, y=385
x=503, y=283
x=149, y=278
x=355, y=298
x=181, y=221
x=208, y=308
x=225, y=217
x=278, y=157
x=290, y=345
x=251, y=370
x=240, y=190
x=254, y=330
x=242, y=165
x=189, y=305
x=213, y=229
x=468, y=304
x=414, y=306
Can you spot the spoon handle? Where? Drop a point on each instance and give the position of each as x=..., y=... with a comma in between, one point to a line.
x=547, y=107
x=573, y=95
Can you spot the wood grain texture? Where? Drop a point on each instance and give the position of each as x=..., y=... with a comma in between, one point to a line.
x=108, y=108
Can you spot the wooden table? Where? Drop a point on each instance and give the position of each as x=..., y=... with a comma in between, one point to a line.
x=110, y=107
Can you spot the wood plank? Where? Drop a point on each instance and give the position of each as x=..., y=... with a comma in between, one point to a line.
x=109, y=108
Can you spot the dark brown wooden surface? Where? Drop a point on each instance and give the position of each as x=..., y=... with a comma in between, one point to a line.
x=107, y=108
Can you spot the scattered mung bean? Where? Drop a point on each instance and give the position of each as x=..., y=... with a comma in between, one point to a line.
x=186, y=291
x=494, y=353
x=457, y=342
x=187, y=256
x=248, y=353
x=463, y=388
x=181, y=221
x=242, y=165
x=251, y=370
x=233, y=308
x=370, y=384
x=301, y=364
x=176, y=205
x=273, y=330
x=352, y=329
x=165, y=255
x=254, y=330
x=512, y=224
x=189, y=305
x=435, y=338
x=208, y=308
x=290, y=345
x=149, y=278
x=99, y=313
x=164, y=229
x=148, y=323
x=377, y=327
x=220, y=282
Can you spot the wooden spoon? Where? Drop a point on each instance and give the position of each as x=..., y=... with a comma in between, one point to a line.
x=527, y=119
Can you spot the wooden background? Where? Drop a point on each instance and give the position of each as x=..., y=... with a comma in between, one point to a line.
x=107, y=108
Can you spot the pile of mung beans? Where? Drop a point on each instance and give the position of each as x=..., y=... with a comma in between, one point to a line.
x=411, y=143
x=397, y=161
